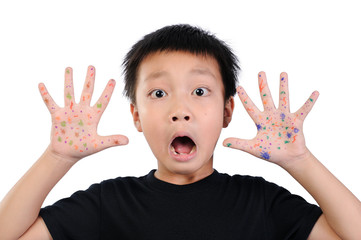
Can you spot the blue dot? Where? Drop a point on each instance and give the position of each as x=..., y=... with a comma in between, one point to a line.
x=259, y=127
x=265, y=155
x=283, y=116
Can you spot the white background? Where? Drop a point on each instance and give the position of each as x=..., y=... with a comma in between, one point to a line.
x=316, y=42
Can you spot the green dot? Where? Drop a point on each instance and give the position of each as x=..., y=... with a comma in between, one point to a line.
x=278, y=148
x=67, y=71
x=264, y=95
x=311, y=99
x=279, y=134
x=286, y=128
x=84, y=144
x=229, y=144
x=59, y=139
x=80, y=123
x=99, y=105
x=283, y=92
x=287, y=142
x=63, y=123
x=68, y=96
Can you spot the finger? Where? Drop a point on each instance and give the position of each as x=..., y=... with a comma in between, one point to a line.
x=248, y=104
x=265, y=92
x=247, y=146
x=104, y=99
x=68, y=87
x=112, y=141
x=236, y=143
x=284, y=102
x=306, y=108
x=48, y=100
x=88, y=86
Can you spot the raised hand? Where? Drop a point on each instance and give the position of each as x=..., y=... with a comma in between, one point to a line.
x=74, y=127
x=280, y=136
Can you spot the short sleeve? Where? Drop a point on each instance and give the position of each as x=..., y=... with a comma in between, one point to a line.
x=288, y=216
x=76, y=217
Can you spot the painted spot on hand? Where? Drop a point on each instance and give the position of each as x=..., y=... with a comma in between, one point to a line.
x=265, y=155
x=282, y=116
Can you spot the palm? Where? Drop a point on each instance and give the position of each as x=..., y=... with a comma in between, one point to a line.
x=74, y=127
x=280, y=133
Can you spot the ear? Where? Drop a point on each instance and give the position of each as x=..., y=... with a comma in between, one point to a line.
x=135, y=114
x=228, y=111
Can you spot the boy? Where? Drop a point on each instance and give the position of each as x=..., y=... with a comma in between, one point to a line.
x=181, y=81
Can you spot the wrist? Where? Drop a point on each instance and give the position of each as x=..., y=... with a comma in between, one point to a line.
x=299, y=163
x=52, y=155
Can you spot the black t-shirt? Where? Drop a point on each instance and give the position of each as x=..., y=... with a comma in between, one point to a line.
x=217, y=207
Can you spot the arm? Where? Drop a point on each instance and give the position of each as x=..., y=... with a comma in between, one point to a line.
x=280, y=140
x=74, y=136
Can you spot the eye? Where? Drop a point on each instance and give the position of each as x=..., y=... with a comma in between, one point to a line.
x=201, y=92
x=157, y=93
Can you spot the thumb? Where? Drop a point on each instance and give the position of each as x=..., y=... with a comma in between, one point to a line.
x=113, y=140
x=236, y=143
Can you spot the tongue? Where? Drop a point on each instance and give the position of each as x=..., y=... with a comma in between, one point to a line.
x=183, y=145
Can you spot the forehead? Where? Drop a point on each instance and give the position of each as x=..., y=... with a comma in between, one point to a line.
x=160, y=64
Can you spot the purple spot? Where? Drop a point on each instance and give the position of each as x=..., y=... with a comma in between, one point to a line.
x=282, y=116
x=296, y=130
x=80, y=140
x=56, y=126
x=259, y=127
x=265, y=155
x=289, y=135
x=282, y=78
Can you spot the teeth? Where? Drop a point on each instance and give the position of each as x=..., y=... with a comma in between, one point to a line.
x=177, y=153
x=193, y=149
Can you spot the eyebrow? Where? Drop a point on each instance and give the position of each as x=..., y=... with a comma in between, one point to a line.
x=202, y=71
x=155, y=75
x=194, y=71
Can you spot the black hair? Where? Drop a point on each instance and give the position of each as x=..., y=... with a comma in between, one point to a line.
x=182, y=37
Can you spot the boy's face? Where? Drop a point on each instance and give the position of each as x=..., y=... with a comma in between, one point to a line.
x=180, y=109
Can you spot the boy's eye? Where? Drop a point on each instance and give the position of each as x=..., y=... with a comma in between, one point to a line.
x=157, y=93
x=201, y=92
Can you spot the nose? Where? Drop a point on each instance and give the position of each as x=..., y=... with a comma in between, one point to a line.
x=180, y=112
x=180, y=116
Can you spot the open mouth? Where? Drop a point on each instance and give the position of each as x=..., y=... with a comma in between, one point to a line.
x=183, y=146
